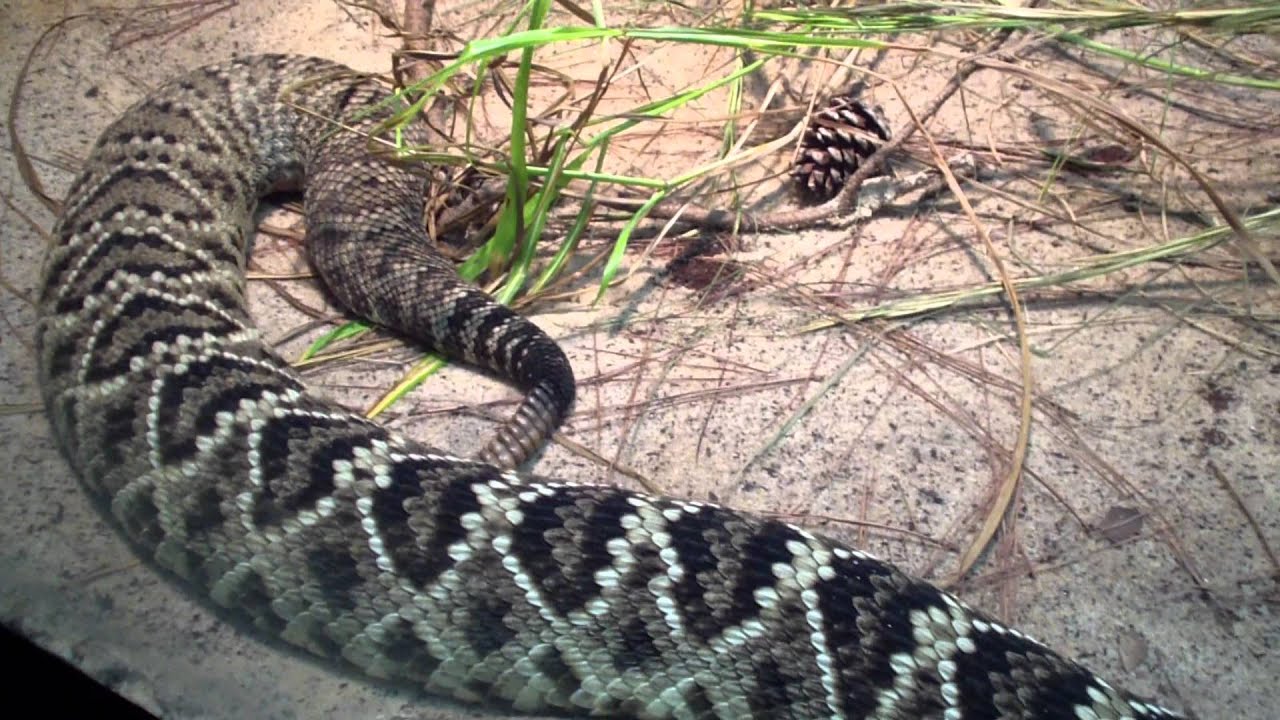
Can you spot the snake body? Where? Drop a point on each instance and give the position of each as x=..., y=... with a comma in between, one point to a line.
x=321, y=528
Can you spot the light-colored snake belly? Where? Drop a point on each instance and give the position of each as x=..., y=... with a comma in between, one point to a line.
x=322, y=528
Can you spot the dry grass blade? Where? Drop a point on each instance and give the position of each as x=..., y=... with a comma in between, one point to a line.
x=20, y=157
x=1249, y=517
x=1009, y=486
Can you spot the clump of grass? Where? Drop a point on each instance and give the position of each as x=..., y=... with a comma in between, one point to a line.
x=543, y=159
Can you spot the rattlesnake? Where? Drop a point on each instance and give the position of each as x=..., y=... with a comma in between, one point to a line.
x=322, y=528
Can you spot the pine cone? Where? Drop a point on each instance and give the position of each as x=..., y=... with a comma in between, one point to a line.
x=839, y=137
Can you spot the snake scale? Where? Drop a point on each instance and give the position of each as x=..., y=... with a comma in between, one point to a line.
x=316, y=526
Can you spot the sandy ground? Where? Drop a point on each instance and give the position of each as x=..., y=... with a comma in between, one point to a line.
x=1156, y=407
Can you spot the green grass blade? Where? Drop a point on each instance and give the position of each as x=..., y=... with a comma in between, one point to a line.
x=429, y=365
x=347, y=330
x=1169, y=68
x=1088, y=268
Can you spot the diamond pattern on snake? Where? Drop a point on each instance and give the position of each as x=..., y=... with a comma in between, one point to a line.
x=455, y=575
